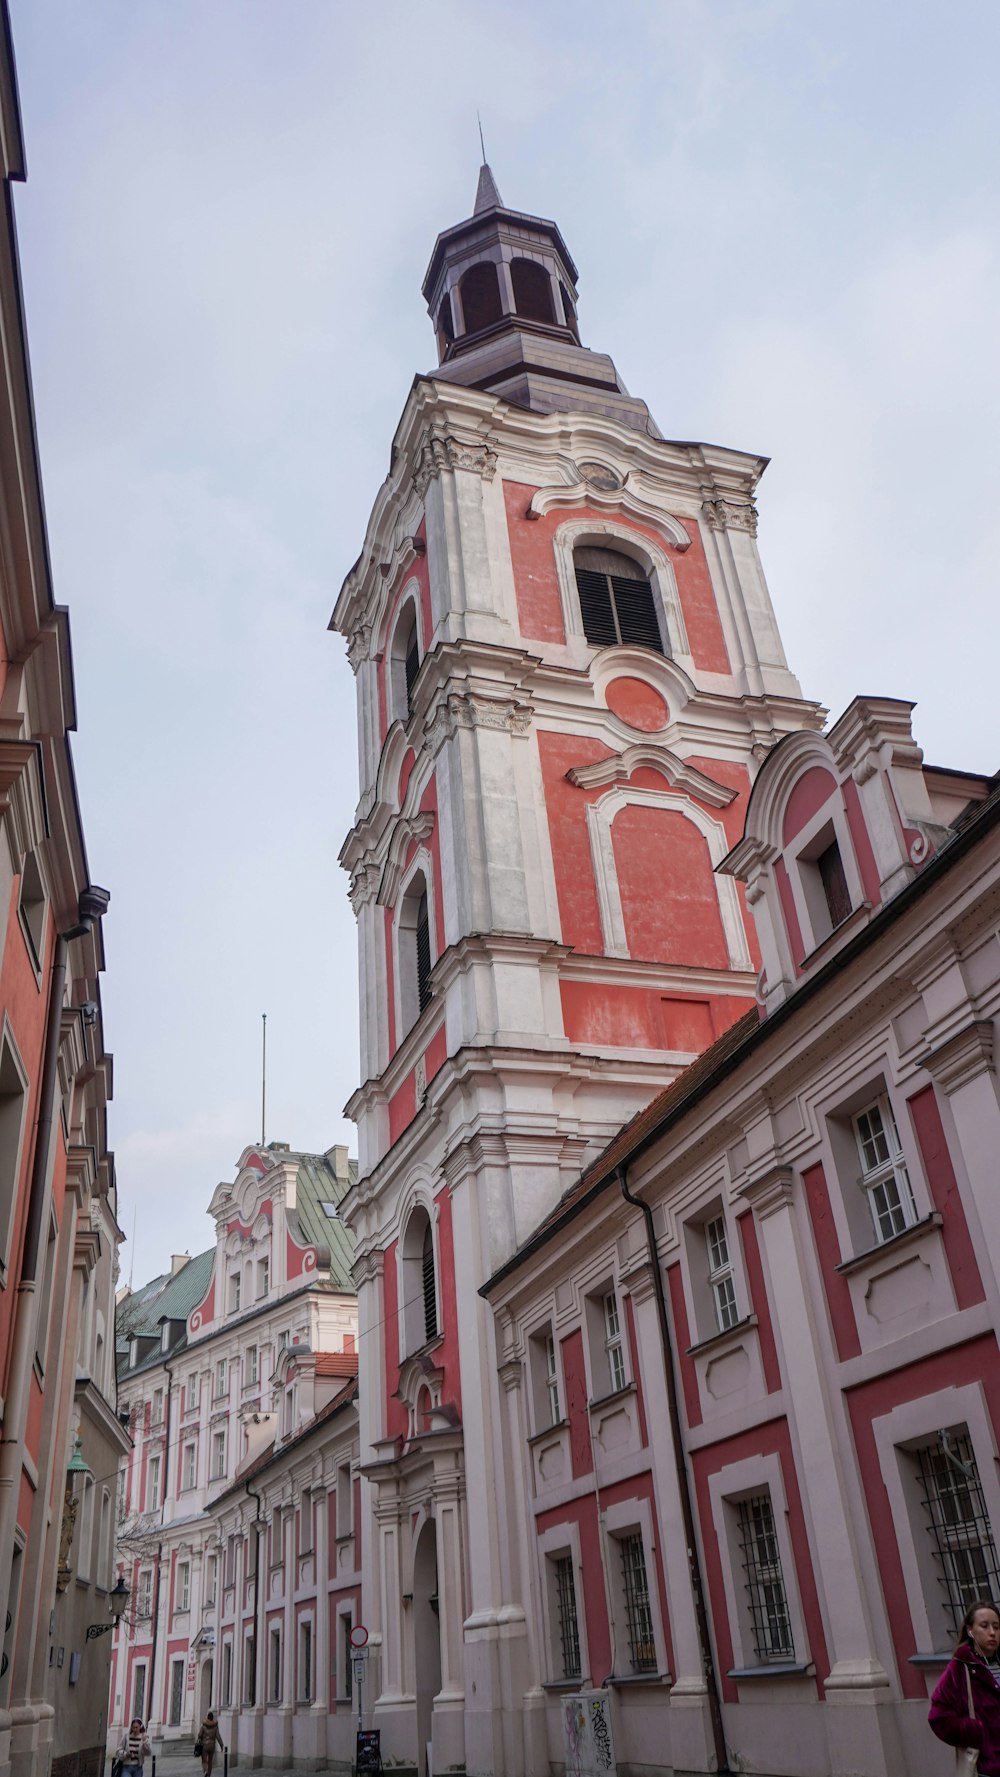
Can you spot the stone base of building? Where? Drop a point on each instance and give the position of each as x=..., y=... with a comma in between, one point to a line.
x=89, y=1762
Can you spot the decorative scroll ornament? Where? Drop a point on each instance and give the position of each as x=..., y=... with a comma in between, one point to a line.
x=437, y=454
x=730, y=515
x=364, y=885
x=359, y=645
x=464, y=711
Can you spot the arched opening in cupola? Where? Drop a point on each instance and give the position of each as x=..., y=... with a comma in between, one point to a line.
x=532, y=291
x=480, y=289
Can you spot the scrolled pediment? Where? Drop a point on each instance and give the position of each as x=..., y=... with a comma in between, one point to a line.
x=629, y=499
x=678, y=773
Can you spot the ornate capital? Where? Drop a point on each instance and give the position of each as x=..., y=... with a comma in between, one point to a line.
x=359, y=645
x=730, y=515
x=962, y=1057
x=364, y=885
x=439, y=453
x=472, y=710
x=770, y=1191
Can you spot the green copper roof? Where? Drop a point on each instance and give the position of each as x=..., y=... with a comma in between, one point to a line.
x=321, y=1185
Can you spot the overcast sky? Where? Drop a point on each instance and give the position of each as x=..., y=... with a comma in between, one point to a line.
x=785, y=218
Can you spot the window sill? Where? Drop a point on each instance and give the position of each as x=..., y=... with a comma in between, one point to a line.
x=630, y=1678
x=903, y=1238
x=560, y=1425
x=929, y=1659
x=740, y=1326
x=789, y=1670
x=604, y=1400
x=565, y=1684
x=857, y=917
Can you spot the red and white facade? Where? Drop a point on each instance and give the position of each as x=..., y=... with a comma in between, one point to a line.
x=824, y=1241
x=545, y=936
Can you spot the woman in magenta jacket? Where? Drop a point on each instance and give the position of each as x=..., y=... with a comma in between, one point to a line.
x=977, y=1656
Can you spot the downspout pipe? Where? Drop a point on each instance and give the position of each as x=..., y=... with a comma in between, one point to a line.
x=92, y=905
x=683, y=1483
x=254, y=1670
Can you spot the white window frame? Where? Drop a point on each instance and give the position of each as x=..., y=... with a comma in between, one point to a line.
x=263, y=1276
x=218, y=1466
x=614, y=1340
x=221, y=1378
x=235, y=1292
x=560, y=1540
x=306, y=1693
x=744, y=1480
x=721, y=1273
x=189, y=1466
x=182, y=1588
x=633, y=1517
x=892, y=1172
x=650, y=556
x=827, y=826
x=154, y=1483
x=253, y=1366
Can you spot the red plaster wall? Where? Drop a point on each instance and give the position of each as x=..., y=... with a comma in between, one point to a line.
x=806, y=798
x=575, y=1379
x=633, y=1347
x=758, y=1300
x=669, y=898
x=682, y=1339
x=838, y=1295
x=638, y=704
x=960, y=1253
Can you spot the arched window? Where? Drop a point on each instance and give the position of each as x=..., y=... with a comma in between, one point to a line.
x=616, y=599
x=404, y=662
x=532, y=290
x=481, y=304
x=415, y=958
x=445, y=324
x=569, y=312
x=419, y=1282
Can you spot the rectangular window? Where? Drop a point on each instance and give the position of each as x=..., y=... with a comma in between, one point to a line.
x=144, y=1594
x=720, y=1274
x=235, y=1292
x=157, y=1416
x=305, y=1661
x=218, y=1455
x=347, y=1656
x=833, y=881
x=45, y=1295
x=183, y=1585
x=884, y=1177
x=139, y=1690
x=176, y=1692
x=613, y=1342
x=221, y=1377
x=13, y=1098
x=227, y=1673
x=344, y=1501
x=188, y=1468
x=274, y=1665
x=551, y=1379
x=250, y=1670
x=770, y=1623
x=959, y=1526
x=211, y=1579
x=263, y=1276
x=153, y=1491
x=253, y=1372
x=569, y=1630
x=638, y=1615
x=191, y=1397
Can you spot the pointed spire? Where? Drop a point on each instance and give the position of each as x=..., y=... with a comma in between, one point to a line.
x=487, y=195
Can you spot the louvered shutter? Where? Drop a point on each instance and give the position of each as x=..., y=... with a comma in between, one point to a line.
x=596, y=608
x=636, y=613
x=412, y=667
x=423, y=934
x=430, y=1295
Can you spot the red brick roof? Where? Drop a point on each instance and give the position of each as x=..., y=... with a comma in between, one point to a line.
x=336, y=1363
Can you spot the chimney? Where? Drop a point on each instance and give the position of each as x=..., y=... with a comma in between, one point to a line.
x=178, y=1262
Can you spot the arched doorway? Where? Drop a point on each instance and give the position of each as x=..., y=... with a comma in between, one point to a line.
x=426, y=1635
x=207, y=1674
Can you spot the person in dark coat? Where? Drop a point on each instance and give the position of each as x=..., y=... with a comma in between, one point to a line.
x=976, y=1654
x=210, y=1740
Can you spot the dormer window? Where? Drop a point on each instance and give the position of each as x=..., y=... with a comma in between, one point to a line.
x=825, y=887
x=617, y=603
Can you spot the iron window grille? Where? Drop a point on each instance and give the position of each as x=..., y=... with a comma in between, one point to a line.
x=884, y=1177
x=959, y=1526
x=617, y=603
x=569, y=1630
x=720, y=1274
x=613, y=1342
x=638, y=1615
x=765, y=1587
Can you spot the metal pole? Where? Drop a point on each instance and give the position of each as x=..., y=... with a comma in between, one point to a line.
x=263, y=1078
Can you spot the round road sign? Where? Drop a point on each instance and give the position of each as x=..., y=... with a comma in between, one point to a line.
x=359, y=1635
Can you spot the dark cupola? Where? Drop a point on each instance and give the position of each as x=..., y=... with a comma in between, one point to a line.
x=501, y=292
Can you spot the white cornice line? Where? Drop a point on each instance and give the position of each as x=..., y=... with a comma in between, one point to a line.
x=627, y=498
x=682, y=776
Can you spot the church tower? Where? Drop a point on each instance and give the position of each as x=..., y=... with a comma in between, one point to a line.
x=568, y=670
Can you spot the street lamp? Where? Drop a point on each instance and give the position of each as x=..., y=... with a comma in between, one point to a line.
x=118, y=1597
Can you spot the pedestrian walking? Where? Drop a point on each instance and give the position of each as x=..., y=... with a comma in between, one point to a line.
x=965, y=1707
x=134, y=1748
x=208, y=1739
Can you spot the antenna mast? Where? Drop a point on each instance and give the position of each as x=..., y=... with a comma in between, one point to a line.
x=263, y=1077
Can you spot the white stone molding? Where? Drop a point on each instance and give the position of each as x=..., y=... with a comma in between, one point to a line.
x=627, y=499
x=417, y=827
x=784, y=766
x=473, y=710
x=600, y=820
x=421, y=864
x=727, y=1487
x=651, y=557
x=678, y=773
x=730, y=515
